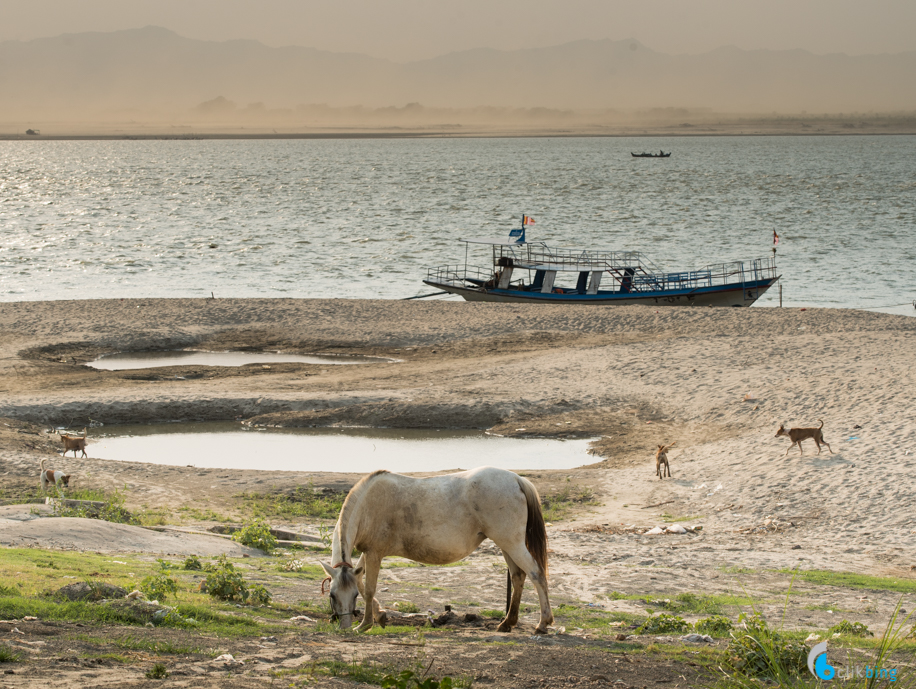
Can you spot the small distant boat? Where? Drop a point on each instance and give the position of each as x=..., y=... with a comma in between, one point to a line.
x=660, y=154
x=525, y=272
x=33, y=132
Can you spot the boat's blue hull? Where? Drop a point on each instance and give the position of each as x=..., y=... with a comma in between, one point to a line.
x=741, y=294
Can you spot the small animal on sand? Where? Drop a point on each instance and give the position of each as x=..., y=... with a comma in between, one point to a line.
x=74, y=442
x=796, y=435
x=661, y=461
x=58, y=478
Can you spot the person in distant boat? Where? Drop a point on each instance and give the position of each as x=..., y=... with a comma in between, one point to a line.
x=661, y=153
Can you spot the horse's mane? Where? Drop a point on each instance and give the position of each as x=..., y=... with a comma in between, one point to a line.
x=350, y=506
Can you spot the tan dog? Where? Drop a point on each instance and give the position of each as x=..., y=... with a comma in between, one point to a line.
x=74, y=442
x=796, y=435
x=661, y=461
x=50, y=476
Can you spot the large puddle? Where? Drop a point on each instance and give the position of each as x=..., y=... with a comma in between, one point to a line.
x=125, y=361
x=227, y=445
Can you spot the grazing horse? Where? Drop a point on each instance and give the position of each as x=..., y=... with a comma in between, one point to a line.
x=437, y=521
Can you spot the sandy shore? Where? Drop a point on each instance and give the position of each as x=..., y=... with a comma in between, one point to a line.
x=718, y=382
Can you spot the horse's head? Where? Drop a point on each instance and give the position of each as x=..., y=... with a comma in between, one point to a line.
x=343, y=589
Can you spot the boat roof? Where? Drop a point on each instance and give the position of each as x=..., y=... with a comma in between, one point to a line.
x=501, y=241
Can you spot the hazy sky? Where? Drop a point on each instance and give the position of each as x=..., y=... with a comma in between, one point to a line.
x=412, y=29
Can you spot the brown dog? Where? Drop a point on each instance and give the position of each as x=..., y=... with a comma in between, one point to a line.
x=796, y=435
x=661, y=461
x=52, y=477
x=74, y=442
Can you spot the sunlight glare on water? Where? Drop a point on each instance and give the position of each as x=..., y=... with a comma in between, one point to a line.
x=364, y=218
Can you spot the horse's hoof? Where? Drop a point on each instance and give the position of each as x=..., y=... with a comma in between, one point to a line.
x=504, y=628
x=539, y=630
x=383, y=619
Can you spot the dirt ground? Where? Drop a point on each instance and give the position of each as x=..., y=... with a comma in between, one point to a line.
x=715, y=381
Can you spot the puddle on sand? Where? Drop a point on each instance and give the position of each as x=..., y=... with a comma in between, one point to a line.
x=124, y=361
x=228, y=445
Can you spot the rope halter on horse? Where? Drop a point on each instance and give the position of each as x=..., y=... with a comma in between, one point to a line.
x=336, y=616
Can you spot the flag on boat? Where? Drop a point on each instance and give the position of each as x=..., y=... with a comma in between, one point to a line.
x=775, y=238
x=519, y=234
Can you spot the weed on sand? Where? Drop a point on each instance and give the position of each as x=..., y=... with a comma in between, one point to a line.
x=852, y=580
x=557, y=505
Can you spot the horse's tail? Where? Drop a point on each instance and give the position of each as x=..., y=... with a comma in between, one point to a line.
x=535, y=531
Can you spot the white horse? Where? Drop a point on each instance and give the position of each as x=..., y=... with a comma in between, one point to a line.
x=437, y=521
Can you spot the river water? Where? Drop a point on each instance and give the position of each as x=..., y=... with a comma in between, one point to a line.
x=364, y=218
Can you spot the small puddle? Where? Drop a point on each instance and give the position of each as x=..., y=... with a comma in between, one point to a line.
x=124, y=361
x=228, y=445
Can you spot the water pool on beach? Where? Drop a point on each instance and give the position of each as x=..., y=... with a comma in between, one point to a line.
x=228, y=445
x=125, y=361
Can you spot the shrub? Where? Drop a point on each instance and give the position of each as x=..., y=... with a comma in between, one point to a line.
x=193, y=563
x=159, y=586
x=112, y=510
x=256, y=535
x=225, y=582
x=717, y=625
x=258, y=595
x=850, y=629
x=664, y=624
x=758, y=651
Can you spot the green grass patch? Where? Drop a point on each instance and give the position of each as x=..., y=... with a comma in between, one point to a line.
x=851, y=580
x=305, y=501
x=158, y=671
x=131, y=643
x=591, y=619
x=38, y=574
x=367, y=672
x=688, y=603
x=207, y=515
x=735, y=569
x=108, y=656
x=7, y=655
x=557, y=505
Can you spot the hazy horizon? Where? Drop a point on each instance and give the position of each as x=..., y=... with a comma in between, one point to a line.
x=409, y=30
x=156, y=74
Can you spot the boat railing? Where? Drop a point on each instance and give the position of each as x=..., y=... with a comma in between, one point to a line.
x=575, y=259
x=459, y=275
x=630, y=277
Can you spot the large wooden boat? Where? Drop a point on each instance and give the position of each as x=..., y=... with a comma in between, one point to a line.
x=524, y=272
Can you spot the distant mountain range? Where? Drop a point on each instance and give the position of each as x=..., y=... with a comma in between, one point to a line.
x=155, y=70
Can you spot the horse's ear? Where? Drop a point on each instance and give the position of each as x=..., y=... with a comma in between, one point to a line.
x=327, y=569
x=358, y=571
